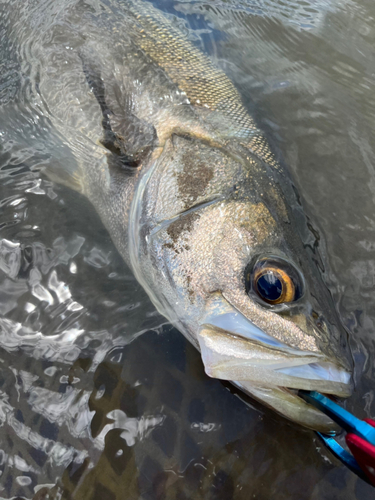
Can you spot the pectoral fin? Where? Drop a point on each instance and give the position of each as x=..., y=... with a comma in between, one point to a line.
x=127, y=137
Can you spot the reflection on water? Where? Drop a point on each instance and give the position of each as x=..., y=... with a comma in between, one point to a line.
x=99, y=398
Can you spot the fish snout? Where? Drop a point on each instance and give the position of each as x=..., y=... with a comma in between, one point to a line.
x=235, y=349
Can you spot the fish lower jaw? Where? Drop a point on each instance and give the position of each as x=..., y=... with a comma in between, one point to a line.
x=287, y=403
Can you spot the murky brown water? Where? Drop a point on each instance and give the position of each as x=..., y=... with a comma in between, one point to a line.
x=99, y=398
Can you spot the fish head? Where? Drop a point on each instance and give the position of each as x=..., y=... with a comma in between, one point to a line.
x=231, y=272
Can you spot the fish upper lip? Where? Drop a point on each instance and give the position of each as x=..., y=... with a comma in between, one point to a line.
x=229, y=356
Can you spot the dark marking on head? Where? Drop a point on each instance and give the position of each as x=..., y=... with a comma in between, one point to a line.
x=181, y=225
x=194, y=178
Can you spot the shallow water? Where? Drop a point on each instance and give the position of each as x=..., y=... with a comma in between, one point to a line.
x=99, y=397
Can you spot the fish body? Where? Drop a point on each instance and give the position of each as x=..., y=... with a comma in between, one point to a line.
x=141, y=122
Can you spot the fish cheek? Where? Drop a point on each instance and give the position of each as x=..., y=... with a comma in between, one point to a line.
x=209, y=249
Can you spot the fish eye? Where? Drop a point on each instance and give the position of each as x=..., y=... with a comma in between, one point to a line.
x=274, y=281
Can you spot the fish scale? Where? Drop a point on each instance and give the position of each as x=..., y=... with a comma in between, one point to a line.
x=204, y=84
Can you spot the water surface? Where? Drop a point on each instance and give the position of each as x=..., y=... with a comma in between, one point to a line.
x=100, y=399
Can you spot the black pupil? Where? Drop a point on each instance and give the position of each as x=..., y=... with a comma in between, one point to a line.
x=269, y=287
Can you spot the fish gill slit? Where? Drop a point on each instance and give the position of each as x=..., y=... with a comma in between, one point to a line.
x=201, y=205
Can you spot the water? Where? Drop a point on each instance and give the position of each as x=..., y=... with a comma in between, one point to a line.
x=99, y=397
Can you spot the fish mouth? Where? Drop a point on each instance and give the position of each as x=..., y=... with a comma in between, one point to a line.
x=233, y=348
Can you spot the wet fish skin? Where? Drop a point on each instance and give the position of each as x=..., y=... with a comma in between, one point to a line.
x=186, y=184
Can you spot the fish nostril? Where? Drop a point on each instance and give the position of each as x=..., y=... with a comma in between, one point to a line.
x=318, y=320
x=321, y=323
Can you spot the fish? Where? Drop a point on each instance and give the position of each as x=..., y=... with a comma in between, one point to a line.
x=124, y=109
